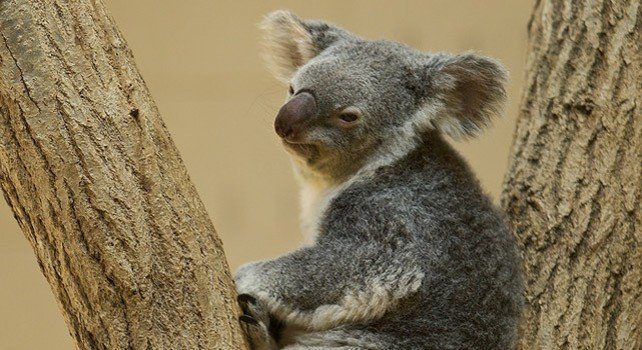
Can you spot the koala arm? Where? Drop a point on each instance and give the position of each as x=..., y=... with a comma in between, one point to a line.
x=333, y=282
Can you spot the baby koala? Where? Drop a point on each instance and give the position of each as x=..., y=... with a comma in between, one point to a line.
x=407, y=251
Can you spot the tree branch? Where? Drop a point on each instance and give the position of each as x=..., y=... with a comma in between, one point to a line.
x=574, y=186
x=99, y=189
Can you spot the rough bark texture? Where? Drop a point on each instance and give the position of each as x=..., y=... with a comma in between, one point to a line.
x=100, y=190
x=573, y=188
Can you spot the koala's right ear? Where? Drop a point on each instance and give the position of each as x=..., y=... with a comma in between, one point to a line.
x=291, y=42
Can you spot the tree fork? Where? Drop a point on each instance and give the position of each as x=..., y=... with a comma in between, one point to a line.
x=99, y=189
x=574, y=185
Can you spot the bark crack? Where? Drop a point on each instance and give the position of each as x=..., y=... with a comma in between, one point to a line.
x=22, y=77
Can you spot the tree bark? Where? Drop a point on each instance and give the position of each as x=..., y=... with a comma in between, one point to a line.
x=573, y=188
x=99, y=189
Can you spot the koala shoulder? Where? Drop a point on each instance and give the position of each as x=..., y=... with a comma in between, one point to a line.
x=371, y=208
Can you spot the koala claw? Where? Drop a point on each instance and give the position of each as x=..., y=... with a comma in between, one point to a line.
x=254, y=308
x=257, y=333
x=249, y=320
x=245, y=299
x=255, y=321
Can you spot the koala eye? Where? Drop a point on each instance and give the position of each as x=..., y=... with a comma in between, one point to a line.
x=349, y=116
x=291, y=90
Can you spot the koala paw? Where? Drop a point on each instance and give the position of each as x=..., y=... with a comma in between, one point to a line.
x=255, y=322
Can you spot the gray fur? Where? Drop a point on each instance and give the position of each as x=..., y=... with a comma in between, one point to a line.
x=409, y=253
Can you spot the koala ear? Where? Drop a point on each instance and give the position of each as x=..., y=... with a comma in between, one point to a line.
x=291, y=42
x=470, y=90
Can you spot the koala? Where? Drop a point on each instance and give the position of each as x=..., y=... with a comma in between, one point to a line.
x=405, y=250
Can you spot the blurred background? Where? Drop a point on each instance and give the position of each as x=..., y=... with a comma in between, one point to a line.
x=201, y=62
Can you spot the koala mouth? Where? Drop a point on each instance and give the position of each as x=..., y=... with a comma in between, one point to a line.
x=300, y=149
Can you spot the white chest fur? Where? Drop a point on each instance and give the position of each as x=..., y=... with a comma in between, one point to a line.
x=314, y=200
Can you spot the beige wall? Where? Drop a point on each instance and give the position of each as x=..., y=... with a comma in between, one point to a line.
x=200, y=61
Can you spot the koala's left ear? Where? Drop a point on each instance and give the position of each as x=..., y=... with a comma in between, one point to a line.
x=291, y=42
x=469, y=92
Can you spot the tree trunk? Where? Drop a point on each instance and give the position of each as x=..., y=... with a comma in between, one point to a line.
x=100, y=190
x=573, y=188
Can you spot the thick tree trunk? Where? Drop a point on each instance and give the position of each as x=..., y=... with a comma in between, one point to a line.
x=100, y=190
x=573, y=188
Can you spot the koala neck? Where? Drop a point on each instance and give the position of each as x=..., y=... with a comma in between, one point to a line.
x=316, y=192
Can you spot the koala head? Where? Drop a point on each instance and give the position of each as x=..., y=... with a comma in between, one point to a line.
x=351, y=100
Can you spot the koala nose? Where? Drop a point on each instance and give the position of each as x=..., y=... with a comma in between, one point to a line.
x=292, y=116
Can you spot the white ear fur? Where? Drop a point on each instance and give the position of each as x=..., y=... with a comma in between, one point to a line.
x=288, y=43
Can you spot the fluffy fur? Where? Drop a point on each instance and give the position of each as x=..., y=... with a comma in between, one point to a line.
x=406, y=251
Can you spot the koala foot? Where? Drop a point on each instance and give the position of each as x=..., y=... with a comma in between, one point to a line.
x=255, y=322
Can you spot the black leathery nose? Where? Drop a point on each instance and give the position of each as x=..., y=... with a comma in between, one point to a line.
x=293, y=115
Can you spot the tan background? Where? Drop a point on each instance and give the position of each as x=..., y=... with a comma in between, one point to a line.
x=200, y=60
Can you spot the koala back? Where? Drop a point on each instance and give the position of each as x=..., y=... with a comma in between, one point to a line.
x=430, y=201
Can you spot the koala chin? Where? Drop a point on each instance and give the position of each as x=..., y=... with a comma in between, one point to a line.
x=405, y=249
